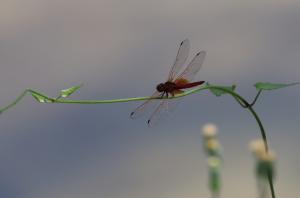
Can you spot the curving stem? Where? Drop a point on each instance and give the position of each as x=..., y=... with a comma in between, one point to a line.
x=243, y=102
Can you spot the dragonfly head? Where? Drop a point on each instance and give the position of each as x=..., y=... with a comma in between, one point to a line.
x=160, y=87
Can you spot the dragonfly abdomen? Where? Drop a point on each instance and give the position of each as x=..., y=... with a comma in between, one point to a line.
x=189, y=85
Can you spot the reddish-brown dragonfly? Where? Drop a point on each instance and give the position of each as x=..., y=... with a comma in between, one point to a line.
x=175, y=84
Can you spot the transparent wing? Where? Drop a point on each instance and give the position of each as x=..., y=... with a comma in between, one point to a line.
x=181, y=57
x=148, y=105
x=192, y=68
x=164, y=109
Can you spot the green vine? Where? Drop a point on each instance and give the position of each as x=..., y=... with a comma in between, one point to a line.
x=215, y=89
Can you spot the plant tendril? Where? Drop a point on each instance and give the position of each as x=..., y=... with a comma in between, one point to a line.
x=243, y=102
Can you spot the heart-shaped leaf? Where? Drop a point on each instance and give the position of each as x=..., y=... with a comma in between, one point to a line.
x=67, y=92
x=40, y=98
x=271, y=86
x=219, y=92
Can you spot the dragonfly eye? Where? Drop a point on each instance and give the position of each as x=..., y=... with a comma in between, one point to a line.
x=160, y=87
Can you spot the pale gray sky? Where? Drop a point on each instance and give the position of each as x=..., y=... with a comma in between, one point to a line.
x=123, y=49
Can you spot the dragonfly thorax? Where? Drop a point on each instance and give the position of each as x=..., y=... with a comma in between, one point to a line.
x=166, y=87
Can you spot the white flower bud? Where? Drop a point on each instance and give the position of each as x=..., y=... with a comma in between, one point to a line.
x=257, y=147
x=209, y=130
x=214, y=162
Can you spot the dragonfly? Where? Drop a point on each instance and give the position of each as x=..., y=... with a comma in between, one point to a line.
x=178, y=81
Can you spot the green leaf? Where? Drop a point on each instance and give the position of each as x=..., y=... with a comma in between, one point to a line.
x=218, y=92
x=67, y=92
x=271, y=86
x=40, y=98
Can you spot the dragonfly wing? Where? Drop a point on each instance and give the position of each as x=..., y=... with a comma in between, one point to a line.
x=181, y=57
x=164, y=109
x=192, y=69
x=147, y=105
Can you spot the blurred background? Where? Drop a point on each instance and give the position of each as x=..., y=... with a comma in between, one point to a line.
x=121, y=49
